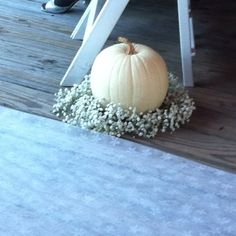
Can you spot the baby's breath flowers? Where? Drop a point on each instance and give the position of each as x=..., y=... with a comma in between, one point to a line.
x=77, y=106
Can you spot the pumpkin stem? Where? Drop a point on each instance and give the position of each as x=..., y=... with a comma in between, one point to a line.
x=130, y=49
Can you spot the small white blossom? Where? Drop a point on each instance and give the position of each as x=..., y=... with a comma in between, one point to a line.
x=77, y=106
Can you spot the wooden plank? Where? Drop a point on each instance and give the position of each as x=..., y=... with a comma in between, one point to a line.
x=213, y=123
x=26, y=99
x=215, y=100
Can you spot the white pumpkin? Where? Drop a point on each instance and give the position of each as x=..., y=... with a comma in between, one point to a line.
x=132, y=75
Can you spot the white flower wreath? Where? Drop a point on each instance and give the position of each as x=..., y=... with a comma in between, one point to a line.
x=77, y=106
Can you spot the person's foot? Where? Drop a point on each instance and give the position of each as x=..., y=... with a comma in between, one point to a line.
x=57, y=7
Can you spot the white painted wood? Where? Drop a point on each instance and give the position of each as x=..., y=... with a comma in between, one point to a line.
x=99, y=32
x=96, y=7
x=80, y=28
x=191, y=29
x=185, y=42
x=192, y=37
x=95, y=28
x=85, y=23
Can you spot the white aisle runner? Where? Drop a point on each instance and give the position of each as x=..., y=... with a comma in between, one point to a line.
x=57, y=180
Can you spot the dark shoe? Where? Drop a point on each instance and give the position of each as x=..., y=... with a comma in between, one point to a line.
x=51, y=7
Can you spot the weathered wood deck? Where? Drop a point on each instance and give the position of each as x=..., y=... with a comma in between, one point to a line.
x=35, y=51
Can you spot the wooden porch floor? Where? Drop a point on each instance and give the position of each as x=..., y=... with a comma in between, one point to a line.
x=35, y=51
